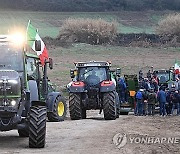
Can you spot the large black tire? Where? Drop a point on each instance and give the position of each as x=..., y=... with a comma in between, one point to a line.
x=37, y=127
x=59, y=110
x=109, y=106
x=23, y=133
x=75, y=106
x=117, y=105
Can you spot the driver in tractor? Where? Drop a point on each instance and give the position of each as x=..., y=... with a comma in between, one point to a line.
x=93, y=78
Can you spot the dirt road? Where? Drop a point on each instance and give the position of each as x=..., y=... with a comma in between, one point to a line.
x=95, y=135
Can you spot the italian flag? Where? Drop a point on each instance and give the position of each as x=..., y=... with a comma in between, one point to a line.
x=32, y=36
x=177, y=68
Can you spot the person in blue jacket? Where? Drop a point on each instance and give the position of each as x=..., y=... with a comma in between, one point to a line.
x=162, y=101
x=122, y=89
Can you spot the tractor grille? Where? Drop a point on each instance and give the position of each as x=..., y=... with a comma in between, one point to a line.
x=9, y=83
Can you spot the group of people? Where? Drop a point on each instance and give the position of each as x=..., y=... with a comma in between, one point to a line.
x=151, y=95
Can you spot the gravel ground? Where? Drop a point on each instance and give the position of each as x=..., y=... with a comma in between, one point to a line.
x=95, y=135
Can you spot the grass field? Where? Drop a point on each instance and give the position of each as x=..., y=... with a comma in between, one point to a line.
x=129, y=59
x=49, y=23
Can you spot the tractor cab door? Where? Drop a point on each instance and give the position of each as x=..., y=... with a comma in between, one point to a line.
x=32, y=69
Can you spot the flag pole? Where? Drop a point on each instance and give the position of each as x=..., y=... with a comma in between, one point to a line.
x=27, y=29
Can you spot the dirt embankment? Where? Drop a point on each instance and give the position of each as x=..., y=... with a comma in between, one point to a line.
x=135, y=40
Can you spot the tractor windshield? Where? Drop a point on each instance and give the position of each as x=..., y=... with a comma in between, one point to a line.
x=92, y=75
x=163, y=77
x=11, y=58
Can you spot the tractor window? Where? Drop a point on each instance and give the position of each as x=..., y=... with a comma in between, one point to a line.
x=86, y=73
x=163, y=77
x=31, y=68
x=11, y=58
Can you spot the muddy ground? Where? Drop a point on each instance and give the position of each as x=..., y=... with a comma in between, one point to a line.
x=95, y=135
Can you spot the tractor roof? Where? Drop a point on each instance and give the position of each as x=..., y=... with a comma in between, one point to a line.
x=93, y=64
x=161, y=71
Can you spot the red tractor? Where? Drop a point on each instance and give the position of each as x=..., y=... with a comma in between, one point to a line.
x=93, y=87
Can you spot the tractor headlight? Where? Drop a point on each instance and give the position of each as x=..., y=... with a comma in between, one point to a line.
x=13, y=102
x=17, y=38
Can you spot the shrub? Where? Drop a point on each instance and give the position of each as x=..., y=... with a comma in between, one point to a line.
x=92, y=31
x=169, y=25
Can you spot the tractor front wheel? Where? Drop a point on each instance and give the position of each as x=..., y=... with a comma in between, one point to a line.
x=59, y=110
x=109, y=105
x=37, y=126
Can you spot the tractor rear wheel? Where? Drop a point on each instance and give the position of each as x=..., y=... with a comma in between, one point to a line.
x=109, y=105
x=37, y=127
x=59, y=110
x=75, y=106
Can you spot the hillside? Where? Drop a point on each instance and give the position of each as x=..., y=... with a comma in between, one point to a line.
x=89, y=5
x=49, y=23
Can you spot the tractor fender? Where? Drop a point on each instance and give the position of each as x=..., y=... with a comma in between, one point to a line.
x=107, y=86
x=76, y=87
x=51, y=100
x=34, y=96
x=31, y=94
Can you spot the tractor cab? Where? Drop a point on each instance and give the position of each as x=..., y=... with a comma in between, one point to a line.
x=165, y=77
x=92, y=73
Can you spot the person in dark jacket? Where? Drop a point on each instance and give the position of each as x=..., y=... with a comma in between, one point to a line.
x=162, y=101
x=168, y=102
x=147, y=85
x=154, y=85
x=151, y=100
x=144, y=102
x=175, y=100
x=149, y=75
x=140, y=75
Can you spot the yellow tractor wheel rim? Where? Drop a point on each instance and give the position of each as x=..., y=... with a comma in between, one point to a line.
x=60, y=108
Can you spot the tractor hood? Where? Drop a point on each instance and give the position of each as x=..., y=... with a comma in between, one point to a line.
x=10, y=84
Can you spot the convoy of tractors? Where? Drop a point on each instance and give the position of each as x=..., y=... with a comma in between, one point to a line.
x=28, y=99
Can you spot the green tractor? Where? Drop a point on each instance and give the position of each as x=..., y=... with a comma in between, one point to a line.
x=26, y=96
x=131, y=89
x=93, y=88
x=166, y=77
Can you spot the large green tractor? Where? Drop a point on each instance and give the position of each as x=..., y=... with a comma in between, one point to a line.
x=26, y=96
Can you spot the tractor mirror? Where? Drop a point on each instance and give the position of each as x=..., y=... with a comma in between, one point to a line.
x=73, y=73
x=118, y=71
x=51, y=63
x=38, y=45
